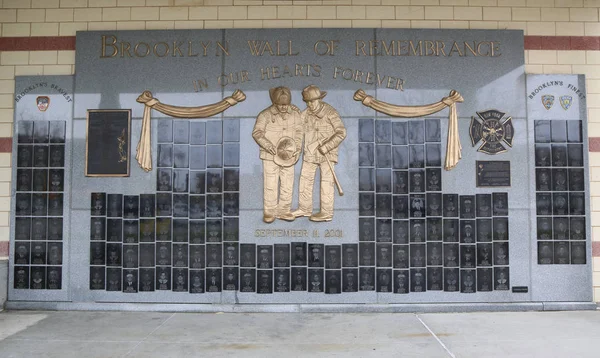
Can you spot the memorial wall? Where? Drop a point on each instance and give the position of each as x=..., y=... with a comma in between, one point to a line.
x=300, y=166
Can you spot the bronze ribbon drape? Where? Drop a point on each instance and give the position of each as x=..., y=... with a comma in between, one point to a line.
x=144, y=147
x=453, y=147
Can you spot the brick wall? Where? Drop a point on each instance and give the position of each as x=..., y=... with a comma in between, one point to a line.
x=563, y=37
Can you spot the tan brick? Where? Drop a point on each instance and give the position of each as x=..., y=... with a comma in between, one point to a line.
x=541, y=28
x=16, y=30
x=397, y=24
x=291, y=12
x=228, y=24
x=190, y=24
x=591, y=3
x=160, y=25
x=425, y=24
x=395, y=2
x=585, y=14
x=74, y=3
x=7, y=86
x=542, y=57
x=59, y=15
x=380, y=12
x=103, y=3
x=130, y=2
x=592, y=57
x=366, y=23
x=363, y=2
x=44, y=4
x=116, y=14
x=592, y=86
x=262, y=12
x=595, y=203
x=6, y=128
x=454, y=2
x=145, y=13
x=31, y=15
x=302, y=24
x=534, y=69
x=4, y=217
x=71, y=28
x=276, y=23
x=596, y=266
x=570, y=29
x=322, y=12
x=88, y=14
x=568, y=3
x=439, y=13
x=158, y=2
x=424, y=2
x=29, y=70
x=497, y=13
x=7, y=72
x=343, y=23
x=513, y=3
x=6, y=116
x=14, y=58
x=513, y=25
x=555, y=14
x=468, y=13
x=594, y=161
x=220, y=2
x=232, y=12
x=66, y=58
x=174, y=13
x=570, y=57
x=483, y=2
x=557, y=69
x=251, y=2
x=454, y=24
x=410, y=12
x=102, y=25
x=43, y=58
x=5, y=203
x=131, y=25
x=16, y=4
x=58, y=70
x=483, y=25
x=44, y=29
x=351, y=12
x=526, y=14
x=203, y=13
x=592, y=29
x=247, y=24
x=9, y=15
x=6, y=101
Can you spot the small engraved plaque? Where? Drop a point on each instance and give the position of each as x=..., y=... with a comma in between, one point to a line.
x=493, y=173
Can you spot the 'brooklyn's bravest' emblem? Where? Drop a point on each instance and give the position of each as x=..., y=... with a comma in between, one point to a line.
x=548, y=101
x=566, y=101
x=42, y=103
x=494, y=130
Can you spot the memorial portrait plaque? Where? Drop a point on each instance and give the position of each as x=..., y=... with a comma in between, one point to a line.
x=434, y=253
x=417, y=255
x=38, y=278
x=577, y=228
x=265, y=281
x=114, y=252
x=214, y=181
x=559, y=155
x=214, y=230
x=484, y=279
x=130, y=256
x=576, y=204
x=400, y=157
x=130, y=281
x=484, y=254
x=38, y=253
x=230, y=278
x=366, y=155
x=55, y=253
x=197, y=254
x=248, y=280
x=467, y=256
x=417, y=230
x=350, y=280
x=282, y=280
x=55, y=229
x=384, y=280
x=39, y=228
x=130, y=231
x=561, y=252
x=501, y=278
x=108, y=142
x=163, y=278
x=113, y=279
x=417, y=205
x=500, y=229
x=180, y=205
x=434, y=204
x=451, y=258
x=57, y=155
x=433, y=176
x=39, y=204
x=299, y=279
x=248, y=255
x=365, y=130
x=416, y=155
x=163, y=179
x=501, y=253
x=367, y=279
x=163, y=229
x=543, y=155
x=561, y=228
x=401, y=278
x=97, y=253
x=282, y=255
x=24, y=156
x=231, y=229
x=163, y=253
x=559, y=180
x=25, y=132
x=40, y=156
x=434, y=279
x=451, y=230
x=24, y=179
x=417, y=180
x=22, y=228
x=384, y=255
x=418, y=280
x=433, y=155
x=197, y=132
x=22, y=253
x=576, y=180
x=315, y=280
x=578, y=253
x=401, y=231
x=147, y=258
x=181, y=157
x=451, y=280
x=147, y=205
x=384, y=230
x=575, y=152
x=468, y=281
x=97, y=278
x=147, y=280
x=56, y=180
x=40, y=179
x=197, y=281
x=214, y=255
x=231, y=254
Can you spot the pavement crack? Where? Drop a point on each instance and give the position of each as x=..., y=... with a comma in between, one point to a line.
x=149, y=334
x=435, y=336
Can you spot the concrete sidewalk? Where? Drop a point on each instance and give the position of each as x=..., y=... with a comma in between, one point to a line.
x=155, y=334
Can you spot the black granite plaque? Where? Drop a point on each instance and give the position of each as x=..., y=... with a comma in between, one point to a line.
x=108, y=143
x=493, y=173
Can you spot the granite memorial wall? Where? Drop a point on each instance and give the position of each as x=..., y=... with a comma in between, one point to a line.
x=300, y=166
